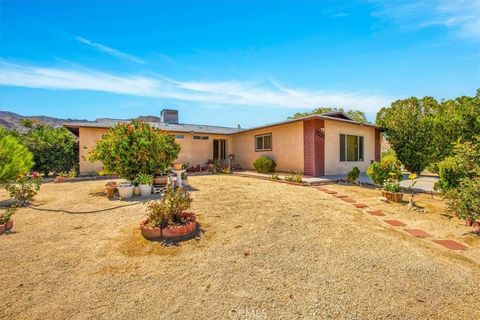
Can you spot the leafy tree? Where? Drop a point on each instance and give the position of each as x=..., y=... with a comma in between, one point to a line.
x=456, y=120
x=54, y=149
x=15, y=159
x=133, y=148
x=356, y=115
x=409, y=127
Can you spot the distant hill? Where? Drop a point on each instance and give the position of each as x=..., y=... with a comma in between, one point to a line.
x=11, y=120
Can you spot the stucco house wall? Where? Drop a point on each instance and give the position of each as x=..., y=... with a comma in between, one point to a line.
x=287, y=146
x=333, y=129
x=88, y=138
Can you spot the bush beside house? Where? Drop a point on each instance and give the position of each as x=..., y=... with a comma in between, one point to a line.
x=264, y=165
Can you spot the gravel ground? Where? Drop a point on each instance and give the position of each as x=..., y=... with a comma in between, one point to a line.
x=267, y=251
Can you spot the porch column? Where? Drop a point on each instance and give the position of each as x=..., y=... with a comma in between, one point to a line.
x=314, y=147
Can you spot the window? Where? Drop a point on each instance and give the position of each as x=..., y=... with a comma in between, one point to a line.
x=351, y=148
x=204, y=137
x=200, y=137
x=263, y=142
x=180, y=136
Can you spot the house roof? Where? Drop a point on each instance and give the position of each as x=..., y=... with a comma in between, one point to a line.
x=207, y=129
x=181, y=127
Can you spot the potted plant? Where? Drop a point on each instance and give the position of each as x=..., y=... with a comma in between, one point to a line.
x=6, y=222
x=392, y=190
x=136, y=189
x=125, y=190
x=145, y=184
x=168, y=218
x=178, y=166
x=160, y=178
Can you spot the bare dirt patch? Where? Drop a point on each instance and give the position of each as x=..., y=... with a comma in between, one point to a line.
x=266, y=249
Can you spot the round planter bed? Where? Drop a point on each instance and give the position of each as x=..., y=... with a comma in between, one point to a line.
x=9, y=225
x=393, y=196
x=171, y=231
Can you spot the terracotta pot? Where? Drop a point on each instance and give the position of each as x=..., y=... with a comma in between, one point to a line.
x=468, y=223
x=150, y=232
x=9, y=225
x=160, y=179
x=393, y=196
x=145, y=190
x=476, y=227
x=181, y=230
x=2, y=229
x=178, y=166
x=59, y=179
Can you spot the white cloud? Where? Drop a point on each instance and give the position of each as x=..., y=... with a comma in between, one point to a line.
x=110, y=51
x=463, y=16
x=266, y=94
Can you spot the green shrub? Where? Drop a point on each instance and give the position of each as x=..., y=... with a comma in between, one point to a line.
x=129, y=149
x=264, y=165
x=464, y=163
x=464, y=201
x=379, y=172
x=24, y=188
x=168, y=209
x=15, y=159
x=353, y=175
x=294, y=178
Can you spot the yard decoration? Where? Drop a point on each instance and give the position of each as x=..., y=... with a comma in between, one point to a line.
x=167, y=217
x=145, y=184
x=129, y=149
x=110, y=188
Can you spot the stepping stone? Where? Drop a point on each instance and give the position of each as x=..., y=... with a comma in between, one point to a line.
x=360, y=205
x=450, y=244
x=339, y=196
x=395, y=223
x=377, y=213
x=418, y=233
x=330, y=191
x=349, y=200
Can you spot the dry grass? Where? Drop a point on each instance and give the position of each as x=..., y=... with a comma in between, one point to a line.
x=267, y=250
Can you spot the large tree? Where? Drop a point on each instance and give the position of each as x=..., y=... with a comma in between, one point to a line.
x=409, y=127
x=54, y=149
x=356, y=115
x=129, y=149
x=15, y=159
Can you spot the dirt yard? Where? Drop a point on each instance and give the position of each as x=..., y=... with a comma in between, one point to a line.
x=267, y=251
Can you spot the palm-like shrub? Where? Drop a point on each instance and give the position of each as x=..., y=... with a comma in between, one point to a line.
x=129, y=149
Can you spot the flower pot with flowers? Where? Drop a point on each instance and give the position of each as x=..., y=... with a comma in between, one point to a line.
x=168, y=217
x=392, y=190
x=6, y=222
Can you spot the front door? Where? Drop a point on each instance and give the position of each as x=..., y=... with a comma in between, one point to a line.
x=219, y=150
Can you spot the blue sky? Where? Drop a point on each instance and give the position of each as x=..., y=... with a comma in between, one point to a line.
x=232, y=62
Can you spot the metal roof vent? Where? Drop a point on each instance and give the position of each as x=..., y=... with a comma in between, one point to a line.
x=169, y=116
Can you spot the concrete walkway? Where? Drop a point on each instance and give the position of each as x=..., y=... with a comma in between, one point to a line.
x=424, y=183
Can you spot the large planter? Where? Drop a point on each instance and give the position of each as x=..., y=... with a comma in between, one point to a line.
x=160, y=179
x=136, y=191
x=145, y=189
x=393, y=196
x=9, y=225
x=125, y=190
x=170, y=232
x=178, y=166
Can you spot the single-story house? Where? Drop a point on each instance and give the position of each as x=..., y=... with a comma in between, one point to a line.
x=316, y=145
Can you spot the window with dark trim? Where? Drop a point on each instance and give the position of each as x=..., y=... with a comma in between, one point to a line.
x=263, y=142
x=351, y=148
x=180, y=136
x=200, y=137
